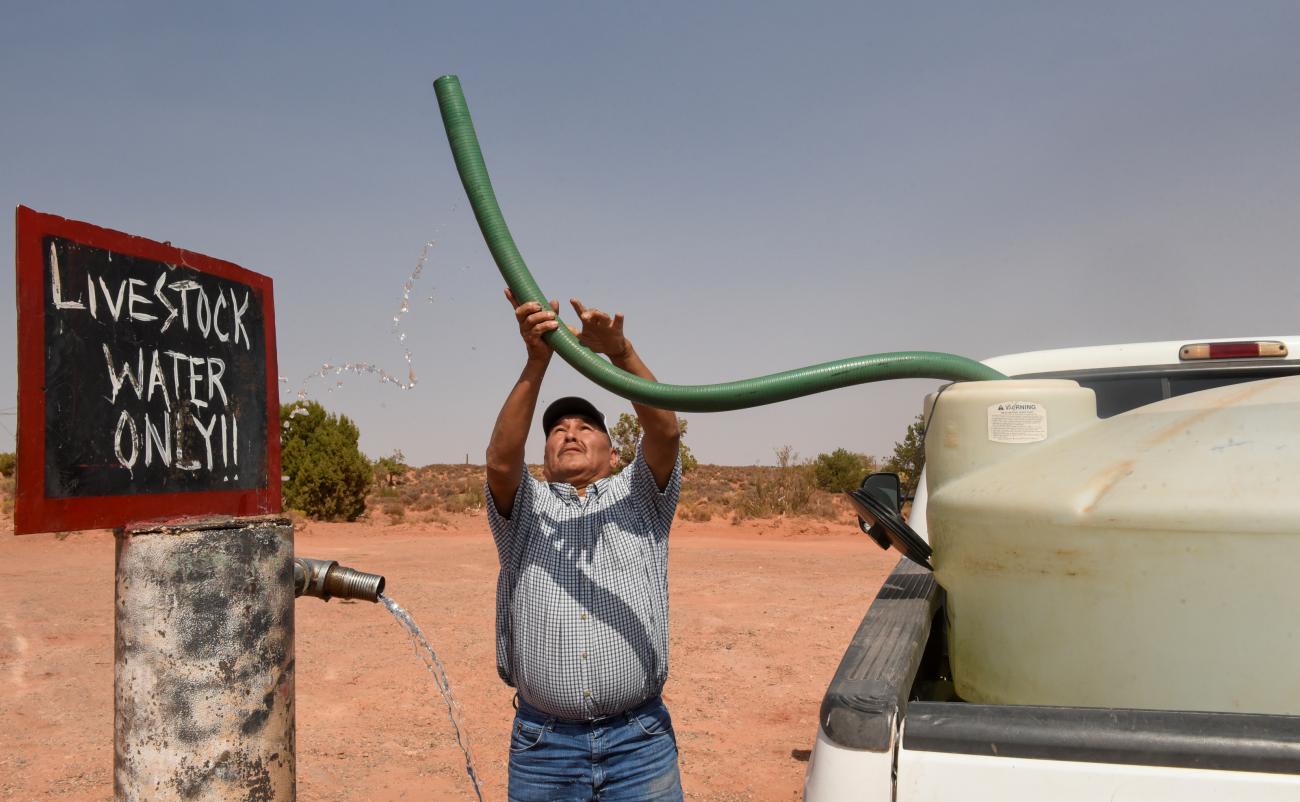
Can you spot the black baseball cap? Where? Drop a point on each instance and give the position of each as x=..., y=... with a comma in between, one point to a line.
x=571, y=405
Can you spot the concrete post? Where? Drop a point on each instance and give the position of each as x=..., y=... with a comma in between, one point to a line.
x=204, y=668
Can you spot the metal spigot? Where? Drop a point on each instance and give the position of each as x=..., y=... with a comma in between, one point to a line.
x=326, y=579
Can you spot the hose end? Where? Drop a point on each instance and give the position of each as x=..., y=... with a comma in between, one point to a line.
x=326, y=579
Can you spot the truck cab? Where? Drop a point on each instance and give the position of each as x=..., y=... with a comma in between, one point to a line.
x=893, y=726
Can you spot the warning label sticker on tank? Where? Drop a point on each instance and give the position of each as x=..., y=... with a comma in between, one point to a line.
x=1017, y=422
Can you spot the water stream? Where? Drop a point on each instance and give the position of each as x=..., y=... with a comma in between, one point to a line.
x=431, y=662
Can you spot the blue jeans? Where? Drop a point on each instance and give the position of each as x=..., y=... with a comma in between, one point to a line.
x=630, y=757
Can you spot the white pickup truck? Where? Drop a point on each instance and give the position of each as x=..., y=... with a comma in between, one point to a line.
x=892, y=726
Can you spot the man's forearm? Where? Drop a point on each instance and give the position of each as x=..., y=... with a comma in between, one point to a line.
x=505, y=452
x=658, y=423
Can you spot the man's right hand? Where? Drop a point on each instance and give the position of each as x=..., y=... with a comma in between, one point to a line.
x=534, y=321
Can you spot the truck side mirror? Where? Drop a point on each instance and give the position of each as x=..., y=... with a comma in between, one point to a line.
x=889, y=485
x=877, y=502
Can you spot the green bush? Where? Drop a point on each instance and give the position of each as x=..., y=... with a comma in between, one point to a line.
x=390, y=470
x=840, y=470
x=627, y=433
x=909, y=456
x=328, y=474
x=8, y=464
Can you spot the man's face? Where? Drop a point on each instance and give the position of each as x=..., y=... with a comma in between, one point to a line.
x=578, y=452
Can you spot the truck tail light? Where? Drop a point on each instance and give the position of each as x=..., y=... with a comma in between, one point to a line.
x=1236, y=350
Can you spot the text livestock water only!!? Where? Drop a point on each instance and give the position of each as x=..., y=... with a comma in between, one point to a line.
x=178, y=368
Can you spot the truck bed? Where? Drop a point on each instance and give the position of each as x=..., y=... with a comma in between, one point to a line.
x=892, y=699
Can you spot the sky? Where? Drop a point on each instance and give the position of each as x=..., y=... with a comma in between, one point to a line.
x=757, y=186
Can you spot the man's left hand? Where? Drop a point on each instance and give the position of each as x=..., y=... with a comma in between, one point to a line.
x=600, y=332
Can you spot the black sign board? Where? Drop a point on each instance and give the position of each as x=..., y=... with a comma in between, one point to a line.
x=147, y=381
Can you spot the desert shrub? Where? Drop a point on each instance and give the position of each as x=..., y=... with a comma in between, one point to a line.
x=298, y=518
x=432, y=516
x=469, y=497
x=8, y=464
x=787, y=489
x=328, y=474
x=840, y=470
x=627, y=433
x=773, y=492
x=395, y=511
x=701, y=511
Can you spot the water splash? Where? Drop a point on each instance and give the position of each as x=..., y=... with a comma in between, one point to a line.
x=368, y=368
x=431, y=662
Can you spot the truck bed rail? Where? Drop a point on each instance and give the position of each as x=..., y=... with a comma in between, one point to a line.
x=862, y=706
x=1179, y=739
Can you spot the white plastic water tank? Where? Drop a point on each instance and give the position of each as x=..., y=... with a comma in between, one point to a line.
x=1149, y=560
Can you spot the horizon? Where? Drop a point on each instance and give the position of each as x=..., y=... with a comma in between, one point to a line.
x=756, y=187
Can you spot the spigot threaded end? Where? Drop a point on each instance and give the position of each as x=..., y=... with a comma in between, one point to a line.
x=348, y=583
x=326, y=579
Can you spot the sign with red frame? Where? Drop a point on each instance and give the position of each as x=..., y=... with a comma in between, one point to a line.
x=147, y=381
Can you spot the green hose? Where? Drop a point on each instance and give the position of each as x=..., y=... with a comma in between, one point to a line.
x=682, y=398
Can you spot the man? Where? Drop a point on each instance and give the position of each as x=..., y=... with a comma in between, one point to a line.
x=582, y=595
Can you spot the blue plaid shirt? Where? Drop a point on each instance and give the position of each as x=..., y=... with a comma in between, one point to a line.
x=582, y=595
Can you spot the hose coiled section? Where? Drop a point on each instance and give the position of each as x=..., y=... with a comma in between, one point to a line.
x=740, y=394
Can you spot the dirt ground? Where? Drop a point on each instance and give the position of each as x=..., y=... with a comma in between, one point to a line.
x=761, y=613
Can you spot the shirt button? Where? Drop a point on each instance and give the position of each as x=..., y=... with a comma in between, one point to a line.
x=583, y=616
x=587, y=694
x=584, y=654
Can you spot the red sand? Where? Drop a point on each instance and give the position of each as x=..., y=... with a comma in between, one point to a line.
x=761, y=614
